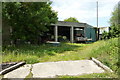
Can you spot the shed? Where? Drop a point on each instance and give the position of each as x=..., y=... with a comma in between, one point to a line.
x=72, y=29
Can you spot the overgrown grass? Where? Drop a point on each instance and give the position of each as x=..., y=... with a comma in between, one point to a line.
x=105, y=50
x=107, y=53
x=94, y=75
x=34, y=53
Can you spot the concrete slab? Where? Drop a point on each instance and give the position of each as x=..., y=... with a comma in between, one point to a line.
x=72, y=68
x=21, y=72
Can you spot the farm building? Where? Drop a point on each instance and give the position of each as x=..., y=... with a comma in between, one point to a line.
x=74, y=30
x=71, y=30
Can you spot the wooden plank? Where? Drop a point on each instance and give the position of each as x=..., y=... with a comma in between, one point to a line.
x=12, y=68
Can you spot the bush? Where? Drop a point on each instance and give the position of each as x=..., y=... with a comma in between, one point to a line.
x=105, y=35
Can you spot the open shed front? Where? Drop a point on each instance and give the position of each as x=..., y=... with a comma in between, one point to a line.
x=59, y=33
x=63, y=33
x=72, y=30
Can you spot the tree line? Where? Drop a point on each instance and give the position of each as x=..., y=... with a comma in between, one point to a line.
x=114, y=24
x=29, y=20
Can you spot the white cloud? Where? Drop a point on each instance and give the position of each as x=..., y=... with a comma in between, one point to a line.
x=85, y=10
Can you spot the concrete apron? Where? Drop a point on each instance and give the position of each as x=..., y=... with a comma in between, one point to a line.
x=71, y=68
x=21, y=72
x=53, y=69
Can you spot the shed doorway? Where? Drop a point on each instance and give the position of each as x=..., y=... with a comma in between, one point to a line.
x=63, y=33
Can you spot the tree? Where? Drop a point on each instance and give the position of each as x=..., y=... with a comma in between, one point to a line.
x=71, y=19
x=29, y=20
x=114, y=22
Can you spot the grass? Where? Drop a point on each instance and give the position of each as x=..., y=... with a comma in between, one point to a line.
x=94, y=75
x=34, y=53
x=105, y=50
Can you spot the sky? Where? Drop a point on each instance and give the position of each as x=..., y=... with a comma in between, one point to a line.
x=85, y=10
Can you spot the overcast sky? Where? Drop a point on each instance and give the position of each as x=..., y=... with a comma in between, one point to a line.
x=85, y=10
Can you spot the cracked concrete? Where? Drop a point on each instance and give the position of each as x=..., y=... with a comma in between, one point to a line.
x=72, y=68
x=53, y=69
x=30, y=75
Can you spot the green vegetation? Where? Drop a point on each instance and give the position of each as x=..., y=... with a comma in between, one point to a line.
x=105, y=50
x=94, y=75
x=114, y=21
x=28, y=20
x=71, y=19
x=114, y=24
x=34, y=53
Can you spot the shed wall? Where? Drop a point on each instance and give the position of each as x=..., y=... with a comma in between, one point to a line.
x=90, y=32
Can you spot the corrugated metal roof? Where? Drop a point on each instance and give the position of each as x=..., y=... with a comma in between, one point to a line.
x=74, y=24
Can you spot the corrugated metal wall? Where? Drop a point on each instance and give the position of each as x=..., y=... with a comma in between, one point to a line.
x=87, y=32
x=90, y=32
x=93, y=34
